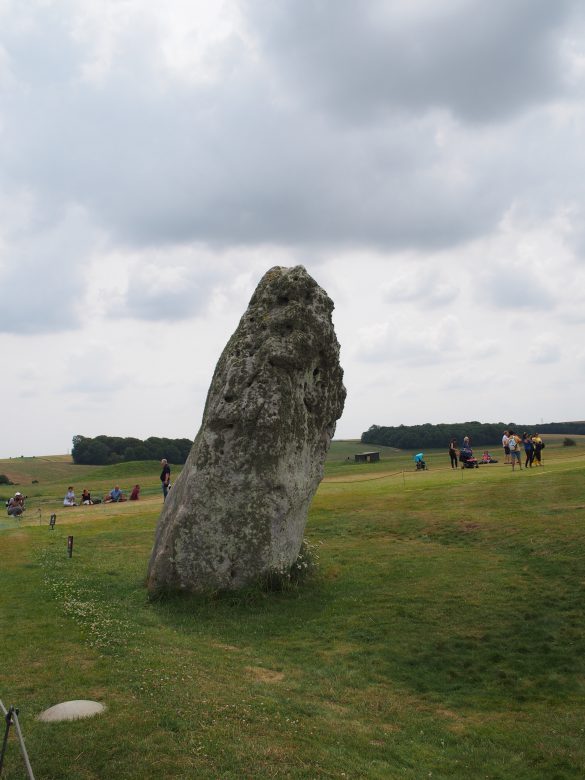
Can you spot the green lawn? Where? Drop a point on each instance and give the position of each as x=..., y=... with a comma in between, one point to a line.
x=443, y=636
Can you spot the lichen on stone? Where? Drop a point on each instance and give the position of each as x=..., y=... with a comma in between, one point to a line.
x=239, y=508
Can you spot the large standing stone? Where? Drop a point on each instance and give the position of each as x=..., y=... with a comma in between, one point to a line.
x=239, y=507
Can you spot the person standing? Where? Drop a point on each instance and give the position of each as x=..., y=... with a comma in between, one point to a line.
x=165, y=477
x=453, y=453
x=528, y=450
x=505, y=440
x=514, y=447
x=538, y=447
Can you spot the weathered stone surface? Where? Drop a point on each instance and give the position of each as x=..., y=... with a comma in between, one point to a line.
x=239, y=507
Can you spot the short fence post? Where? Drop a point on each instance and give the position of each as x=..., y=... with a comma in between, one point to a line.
x=70, y=546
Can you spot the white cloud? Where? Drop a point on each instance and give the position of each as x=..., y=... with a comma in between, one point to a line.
x=544, y=349
x=422, y=284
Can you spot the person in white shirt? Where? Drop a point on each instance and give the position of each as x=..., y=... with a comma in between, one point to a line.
x=69, y=499
x=505, y=440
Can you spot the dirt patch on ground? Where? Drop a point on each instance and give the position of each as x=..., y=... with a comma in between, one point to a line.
x=335, y=707
x=456, y=722
x=265, y=675
x=229, y=648
x=469, y=528
x=390, y=728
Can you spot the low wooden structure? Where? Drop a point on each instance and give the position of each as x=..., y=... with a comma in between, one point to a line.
x=367, y=457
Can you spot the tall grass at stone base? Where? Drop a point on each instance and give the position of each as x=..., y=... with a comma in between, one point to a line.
x=441, y=636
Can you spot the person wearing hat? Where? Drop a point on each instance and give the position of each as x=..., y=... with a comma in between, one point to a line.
x=16, y=505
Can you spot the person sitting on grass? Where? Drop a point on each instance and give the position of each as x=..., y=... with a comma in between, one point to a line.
x=86, y=497
x=115, y=496
x=15, y=506
x=135, y=494
x=69, y=499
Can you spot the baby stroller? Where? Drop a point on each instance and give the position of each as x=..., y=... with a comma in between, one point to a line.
x=419, y=461
x=466, y=458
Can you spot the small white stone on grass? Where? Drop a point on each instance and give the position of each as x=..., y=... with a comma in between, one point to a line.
x=72, y=710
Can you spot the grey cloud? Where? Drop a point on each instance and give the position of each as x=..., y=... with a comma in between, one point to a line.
x=161, y=292
x=156, y=161
x=513, y=289
x=192, y=167
x=42, y=276
x=230, y=162
x=480, y=60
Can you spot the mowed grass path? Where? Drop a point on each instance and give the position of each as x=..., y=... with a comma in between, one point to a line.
x=443, y=636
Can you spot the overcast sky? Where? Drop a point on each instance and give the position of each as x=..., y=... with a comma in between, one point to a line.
x=423, y=160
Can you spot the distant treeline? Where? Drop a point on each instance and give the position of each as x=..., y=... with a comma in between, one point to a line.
x=407, y=437
x=113, y=449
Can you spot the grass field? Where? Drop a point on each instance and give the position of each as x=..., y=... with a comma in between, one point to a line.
x=443, y=636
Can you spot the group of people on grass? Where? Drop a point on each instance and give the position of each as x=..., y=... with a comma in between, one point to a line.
x=513, y=445
x=462, y=454
x=15, y=505
x=116, y=496
x=113, y=497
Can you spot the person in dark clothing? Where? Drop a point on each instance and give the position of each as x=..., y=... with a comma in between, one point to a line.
x=528, y=450
x=453, y=453
x=165, y=477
